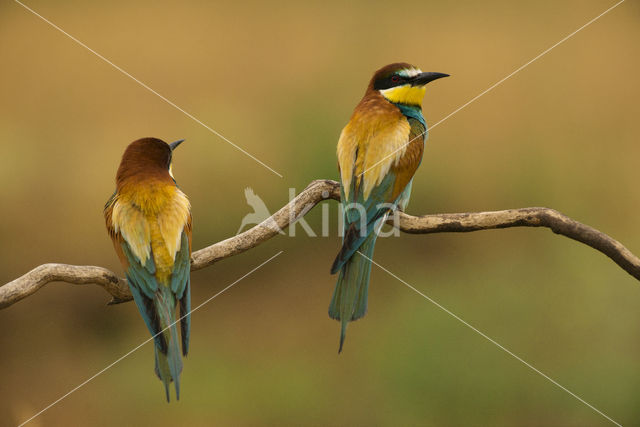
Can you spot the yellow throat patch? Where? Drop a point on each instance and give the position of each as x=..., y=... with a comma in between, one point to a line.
x=406, y=94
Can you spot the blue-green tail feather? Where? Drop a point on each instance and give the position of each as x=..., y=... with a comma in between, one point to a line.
x=157, y=304
x=350, y=296
x=158, y=313
x=169, y=360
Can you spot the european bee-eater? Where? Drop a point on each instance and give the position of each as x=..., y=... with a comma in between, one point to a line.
x=379, y=151
x=149, y=221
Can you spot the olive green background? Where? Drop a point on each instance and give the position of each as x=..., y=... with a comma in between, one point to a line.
x=280, y=80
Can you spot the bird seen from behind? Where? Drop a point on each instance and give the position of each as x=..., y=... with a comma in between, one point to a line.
x=149, y=221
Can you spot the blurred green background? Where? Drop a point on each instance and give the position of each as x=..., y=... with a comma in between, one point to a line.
x=280, y=80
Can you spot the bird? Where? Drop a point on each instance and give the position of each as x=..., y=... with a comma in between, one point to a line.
x=148, y=219
x=379, y=151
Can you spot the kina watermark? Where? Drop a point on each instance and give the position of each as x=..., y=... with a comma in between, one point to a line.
x=365, y=217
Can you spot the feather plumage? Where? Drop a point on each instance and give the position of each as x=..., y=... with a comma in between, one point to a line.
x=379, y=151
x=149, y=221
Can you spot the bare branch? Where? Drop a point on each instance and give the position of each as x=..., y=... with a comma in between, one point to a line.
x=525, y=217
x=315, y=193
x=26, y=285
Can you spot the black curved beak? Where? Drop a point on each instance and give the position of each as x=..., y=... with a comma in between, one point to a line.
x=424, y=78
x=175, y=144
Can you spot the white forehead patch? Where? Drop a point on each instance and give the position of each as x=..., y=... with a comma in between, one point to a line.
x=410, y=72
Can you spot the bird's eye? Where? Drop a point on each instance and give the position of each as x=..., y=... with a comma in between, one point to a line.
x=395, y=78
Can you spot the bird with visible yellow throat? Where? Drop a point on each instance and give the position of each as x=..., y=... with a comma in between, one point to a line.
x=378, y=151
x=149, y=221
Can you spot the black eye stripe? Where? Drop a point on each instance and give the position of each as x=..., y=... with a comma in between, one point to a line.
x=389, y=82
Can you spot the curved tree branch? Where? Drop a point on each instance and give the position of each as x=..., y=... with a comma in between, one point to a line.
x=316, y=192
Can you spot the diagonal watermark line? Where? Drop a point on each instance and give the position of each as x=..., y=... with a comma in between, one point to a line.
x=147, y=87
x=145, y=342
x=496, y=84
x=526, y=64
x=501, y=347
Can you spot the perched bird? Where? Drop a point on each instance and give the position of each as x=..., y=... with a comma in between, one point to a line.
x=149, y=221
x=378, y=151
